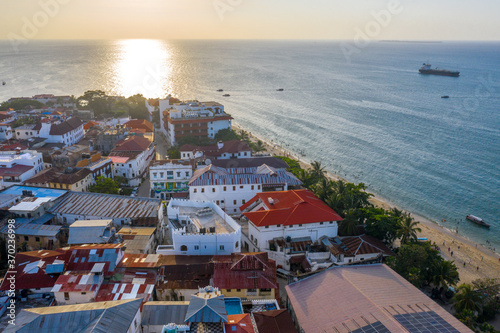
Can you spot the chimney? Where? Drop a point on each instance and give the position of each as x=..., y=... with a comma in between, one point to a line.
x=220, y=144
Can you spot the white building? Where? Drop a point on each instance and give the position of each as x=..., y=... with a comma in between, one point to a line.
x=131, y=158
x=287, y=215
x=6, y=132
x=200, y=228
x=27, y=131
x=192, y=118
x=18, y=166
x=220, y=151
x=233, y=187
x=170, y=178
x=68, y=132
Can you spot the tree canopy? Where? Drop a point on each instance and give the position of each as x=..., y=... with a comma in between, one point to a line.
x=104, y=185
x=21, y=104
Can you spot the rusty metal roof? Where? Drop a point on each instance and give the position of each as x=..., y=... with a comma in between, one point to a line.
x=106, y=205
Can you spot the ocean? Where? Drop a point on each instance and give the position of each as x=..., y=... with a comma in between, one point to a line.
x=363, y=111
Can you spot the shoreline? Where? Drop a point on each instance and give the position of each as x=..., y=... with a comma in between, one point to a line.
x=474, y=261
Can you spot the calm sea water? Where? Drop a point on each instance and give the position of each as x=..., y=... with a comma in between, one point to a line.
x=370, y=118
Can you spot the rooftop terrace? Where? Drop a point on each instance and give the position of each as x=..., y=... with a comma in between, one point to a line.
x=204, y=218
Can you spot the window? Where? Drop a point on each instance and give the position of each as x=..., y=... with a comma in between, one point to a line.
x=238, y=290
x=258, y=187
x=178, y=174
x=202, y=190
x=253, y=187
x=213, y=189
x=331, y=222
x=252, y=290
x=321, y=223
x=130, y=165
x=187, y=173
x=251, y=237
x=234, y=202
x=197, y=247
x=278, y=225
x=84, y=293
x=221, y=247
x=224, y=189
x=194, y=190
x=154, y=174
x=243, y=201
x=291, y=226
x=236, y=245
x=184, y=248
x=241, y=186
x=66, y=296
x=234, y=188
x=37, y=239
x=300, y=225
x=267, y=227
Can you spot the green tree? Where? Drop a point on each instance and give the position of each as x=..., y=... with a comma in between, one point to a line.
x=443, y=274
x=226, y=135
x=259, y=146
x=317, y=171
x=244, y=135
x=174, y=153
x=323, y=189
x=349, y=226
x=104, y=185
x=381, y=225
x=96, y=100
x=466, y=299
x=137, y=107
x=408, y=229
x=408, y=262
x=21, y=104
x=120, y=180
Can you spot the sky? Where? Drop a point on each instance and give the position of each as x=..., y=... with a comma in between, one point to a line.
x=251, y=19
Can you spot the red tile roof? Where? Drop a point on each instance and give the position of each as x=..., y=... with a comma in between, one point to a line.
x=244, y=271
x=289, y=208
x=274, y=321
x=140, y=124
x=365, y=244
x=30, y=269
x=89, y=125
x=131, y=144
x=239, y=323
x=15, y=171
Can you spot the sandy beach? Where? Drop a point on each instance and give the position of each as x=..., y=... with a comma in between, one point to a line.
x=479, y=261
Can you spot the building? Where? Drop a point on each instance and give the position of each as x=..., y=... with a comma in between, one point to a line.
x=286, y=215
x=73, y=180
x=365, y=298
x=27, y=131
x=253, y=162
x=104, y=138
x=274, y=321
x=207, y=309
x=36, y=271
x=170, y=178
x=99, y=166
x=78, y=287
x=31, y=236
x=139, y=240
x=68, y=132
x=155, y=315
x=239, y=323
x=141, y=127
x=192, y=119
x=220, y=151
x=123, y=316
x=246, y=275
x=200, y=228
x=123, y=210
x=6, y=132
x=91, y=232
x=132, y=284
x=131, y=158
x=69, y=156
x=356, y=249
x=16, y=194
x=18, y=166
x=233, y=187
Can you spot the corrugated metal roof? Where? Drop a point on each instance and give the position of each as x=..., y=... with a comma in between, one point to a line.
x=164, y=313
x=96, y=317
x=106, y=205
x=89, y=234
x=207, y=310
x=30, y=229
x=212, y=175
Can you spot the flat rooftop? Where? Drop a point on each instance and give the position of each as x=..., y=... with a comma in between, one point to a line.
x=208, y=220
x=39, y=192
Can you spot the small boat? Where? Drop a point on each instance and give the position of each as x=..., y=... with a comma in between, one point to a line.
x=280, y=89
x=219, y=90
x=3, y=83
x=226, y=95
x=477, y=220
x=445, y=96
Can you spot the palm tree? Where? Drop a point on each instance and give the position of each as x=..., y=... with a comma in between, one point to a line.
x=349, y=226
x=259, y=146
x=317, y=170
x=444, y=274
x=466, y=298
x=244, y=135
x=323, y=188
x=408, y=229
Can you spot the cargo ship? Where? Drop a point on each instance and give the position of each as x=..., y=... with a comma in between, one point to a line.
x=426, y=69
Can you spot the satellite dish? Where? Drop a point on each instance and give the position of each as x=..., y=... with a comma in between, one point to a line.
x=208, y=162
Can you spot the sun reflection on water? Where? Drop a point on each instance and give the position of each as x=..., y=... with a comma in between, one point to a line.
x=141, y=66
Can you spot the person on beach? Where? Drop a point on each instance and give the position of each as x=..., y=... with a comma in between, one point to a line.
x=452, y=253
x=464, y=263
x=477, y=268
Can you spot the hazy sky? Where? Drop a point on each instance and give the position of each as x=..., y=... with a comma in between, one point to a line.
x=253, y=19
